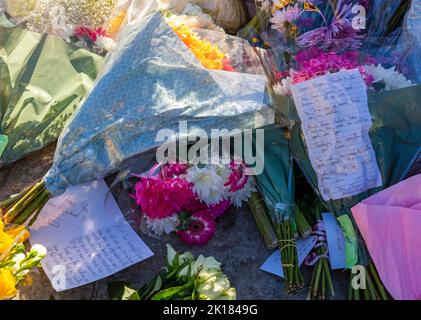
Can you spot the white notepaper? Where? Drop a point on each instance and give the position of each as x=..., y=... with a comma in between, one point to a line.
x=335, y=241
x=273, y=264
x=87, y=237
x=335, y=122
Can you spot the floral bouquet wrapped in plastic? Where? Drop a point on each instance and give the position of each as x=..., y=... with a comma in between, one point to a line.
x=327, y=74
x=184, y=277
x=188, y=199
x=152, y=81
x=46, y=71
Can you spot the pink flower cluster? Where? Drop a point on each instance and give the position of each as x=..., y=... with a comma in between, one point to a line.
x=314, y=62
x=89, y=34
x=168, y=193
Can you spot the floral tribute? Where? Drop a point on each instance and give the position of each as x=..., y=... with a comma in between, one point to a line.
x=95, y=40
x=326, y=41
x=187, y=199
x=15, y=262
x=209, y=55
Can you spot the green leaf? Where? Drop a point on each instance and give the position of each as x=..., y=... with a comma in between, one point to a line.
x=167, y=294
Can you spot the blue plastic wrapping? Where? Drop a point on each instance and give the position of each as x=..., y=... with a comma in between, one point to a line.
x=151, y=82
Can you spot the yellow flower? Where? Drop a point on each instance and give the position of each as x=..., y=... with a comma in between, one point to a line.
x=207, y=53
x=7, y=237
x=7, y=284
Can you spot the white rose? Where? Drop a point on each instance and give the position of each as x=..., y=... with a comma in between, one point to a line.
x=40, y=250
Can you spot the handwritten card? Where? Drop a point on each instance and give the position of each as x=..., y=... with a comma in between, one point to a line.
x=274, y=265
x=335, y=122
x=335, y=241
x=86, y=236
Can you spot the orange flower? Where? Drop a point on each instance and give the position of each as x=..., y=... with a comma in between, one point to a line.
x=209, y=55
x=115, y=23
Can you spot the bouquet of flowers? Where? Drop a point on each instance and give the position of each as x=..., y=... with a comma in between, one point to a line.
x=183, y=278
x=188, y=198
x=84, y=23
x=151, y=81
x=314, y=39
x=43, y=82
x=15, y=262
x=45, y=77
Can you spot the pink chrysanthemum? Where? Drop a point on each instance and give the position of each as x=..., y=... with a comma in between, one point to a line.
x=237, y=179
x=219, y=209
x=200, y=231
x=171, y=170
x=89, y=34
x=162, y=198
x=314, y=63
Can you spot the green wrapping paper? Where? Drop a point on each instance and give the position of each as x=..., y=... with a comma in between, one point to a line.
x=42, y=82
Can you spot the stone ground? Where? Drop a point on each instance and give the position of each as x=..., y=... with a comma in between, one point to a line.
x=237, y=244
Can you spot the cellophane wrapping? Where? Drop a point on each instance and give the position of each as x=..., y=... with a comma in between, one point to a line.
x=152, y=81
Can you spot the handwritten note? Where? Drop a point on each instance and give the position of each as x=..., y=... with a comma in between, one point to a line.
x=335, y=122
x=335, y=241
x=274, y=265
x=86, y=236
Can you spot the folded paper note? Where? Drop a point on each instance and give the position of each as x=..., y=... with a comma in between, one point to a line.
x=335, y=241
x=335, y=122
x=86, y=236
x=274, y=265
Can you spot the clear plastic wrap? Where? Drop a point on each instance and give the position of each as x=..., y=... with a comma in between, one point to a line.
x=386, y=61
x=45, y=71
x=150, y=82
x=43, y=79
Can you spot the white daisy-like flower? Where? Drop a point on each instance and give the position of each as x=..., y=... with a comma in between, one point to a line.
x=237, y=198
x=105, y=43
x=207, y=183
x=162, y=226
x=391, y=78
x=283, y=88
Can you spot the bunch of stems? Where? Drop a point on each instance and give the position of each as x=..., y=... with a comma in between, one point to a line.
x=261, y=216
x=321, y=285
x=373, y=288
x=285, y=232
x=303, y=226
x=17, y=209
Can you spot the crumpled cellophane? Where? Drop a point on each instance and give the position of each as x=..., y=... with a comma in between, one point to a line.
x=42, y=81
x=151, y=82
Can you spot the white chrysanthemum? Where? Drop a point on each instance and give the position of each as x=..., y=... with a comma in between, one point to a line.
x=391, y=78
x=207, y=184
x=162, y=226
x=193, y=17
x=105, y=43
x=283, y=88
x=237, y=198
